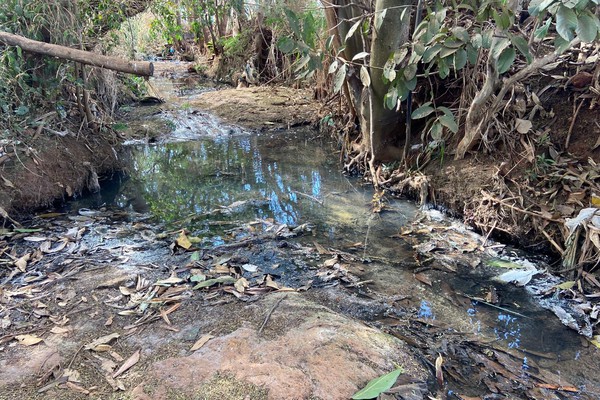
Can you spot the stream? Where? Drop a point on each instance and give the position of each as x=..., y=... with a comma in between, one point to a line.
x=293, y=177
x=210, y=178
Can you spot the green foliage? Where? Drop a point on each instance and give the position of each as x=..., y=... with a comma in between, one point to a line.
x=303, y=41
x=378, y=385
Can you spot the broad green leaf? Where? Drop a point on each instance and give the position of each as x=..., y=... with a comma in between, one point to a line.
x=461, y=34
x=210, y=282
x=449, y=123
x=436, y=131
x=431, y=52
x=410, y=71
x=459, y=59
x=486, y=38
x=391, y=98
x=445, y=110
x=499, y=46
x=360, y=55
x=560, y=44
x=542, y=31
x=587, y=28
x=286, y=45
x=452, y=43
x=294, y=21
x=389, y=71
x=447, y=51
x=477, y=40
x=566, y=22
x=422, y=112
x=443, y=68
x=352, y=30
x=472, y=54
x=506, y=59
x=378, y=385
x=195, y=256
x=364, y=76
x=400, y=55
x=21, y=110
x=521, y=44
x=570, y=3
x=411, y=84
x=339, y=79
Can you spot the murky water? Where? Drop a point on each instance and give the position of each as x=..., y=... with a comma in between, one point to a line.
x=216, y=181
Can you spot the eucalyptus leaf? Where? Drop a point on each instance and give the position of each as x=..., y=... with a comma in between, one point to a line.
x=364, y=76
x=360, y=55
x=352, y=30
x=333, y=67
x=378, y=385
x=339, y=79
x=211, y=282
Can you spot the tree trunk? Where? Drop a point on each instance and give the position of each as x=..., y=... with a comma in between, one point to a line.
x=141, y=68
x=388, y=125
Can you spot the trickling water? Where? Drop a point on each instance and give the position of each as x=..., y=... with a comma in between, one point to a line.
x=293, y=177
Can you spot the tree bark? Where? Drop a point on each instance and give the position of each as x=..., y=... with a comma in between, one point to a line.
x=388, y=125
x=141, y=68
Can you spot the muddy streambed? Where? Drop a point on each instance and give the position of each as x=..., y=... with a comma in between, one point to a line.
x=243, y=265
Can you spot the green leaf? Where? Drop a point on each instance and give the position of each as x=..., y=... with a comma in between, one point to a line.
x=389, y=71
x=472, y=54
x=506, y=59
x=499, y=46
x=391, y=98
x=447, y=51
x=339, y=79
x=459, y=59
x=27, y=230
x=587, y=28
x=302, y=63
x=352, y=30
x=211, y=282
x=566, y=22
x=449, y=122
x=422, y=112
x=477, y=40
x=561, y=45
x=521, y=44
x=431, y=52
x=195, y=256
x=286, y=44
x=293, y=21
x=329, y=42
x=436, y=131
x=378, y=385
x=461, y=34
x=410, y=71
x=542, y=31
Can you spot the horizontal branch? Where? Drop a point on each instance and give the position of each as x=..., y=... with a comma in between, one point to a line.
x=141, y=68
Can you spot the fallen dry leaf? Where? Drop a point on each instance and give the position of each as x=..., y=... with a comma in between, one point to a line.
x=101, y=341
x=28, y=340
x=130, y=362
x=423, y=279
x=201, y=342
x=183, y=241
x=21, y=263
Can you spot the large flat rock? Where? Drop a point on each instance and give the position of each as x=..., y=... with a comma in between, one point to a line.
x=305, y=351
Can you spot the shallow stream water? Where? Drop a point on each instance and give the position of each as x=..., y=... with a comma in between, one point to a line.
x=293, y=177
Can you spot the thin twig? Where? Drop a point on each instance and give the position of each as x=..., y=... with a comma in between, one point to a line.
x=568, y=139
x=270, y=312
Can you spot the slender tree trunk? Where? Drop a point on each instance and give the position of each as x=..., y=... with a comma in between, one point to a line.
x=388, y=125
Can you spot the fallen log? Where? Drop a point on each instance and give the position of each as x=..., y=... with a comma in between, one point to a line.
x=141, y=68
